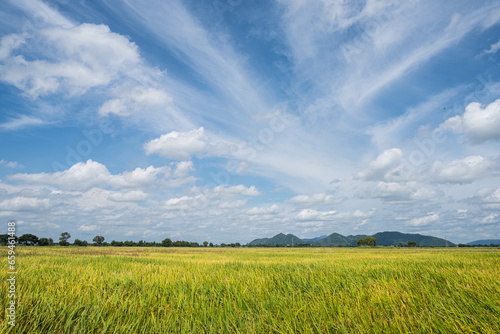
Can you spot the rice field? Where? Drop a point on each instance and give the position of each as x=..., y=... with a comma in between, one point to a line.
x=254, y=290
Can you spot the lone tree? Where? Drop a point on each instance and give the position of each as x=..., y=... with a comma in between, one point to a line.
x=368, y=241
x=98, y=240
x=412, y=244
x=63, y=239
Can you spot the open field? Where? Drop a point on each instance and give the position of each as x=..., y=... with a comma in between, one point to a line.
x=255, y=290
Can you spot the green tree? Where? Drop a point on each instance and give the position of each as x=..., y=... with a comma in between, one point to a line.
x=44, y=242
x=368, y=241
x=79, y=242
x=64, y=236
x=166, y=243
x=412, y=244
x=4, y=239
x=361, y=242
x=211, y=244
x=98, y=240
x=371, y=241
x=28, y=239
x=205, y=243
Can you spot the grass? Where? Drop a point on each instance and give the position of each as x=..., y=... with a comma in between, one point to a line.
x=255, y=290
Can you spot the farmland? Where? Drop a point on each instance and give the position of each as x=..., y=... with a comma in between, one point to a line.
x=255, y=290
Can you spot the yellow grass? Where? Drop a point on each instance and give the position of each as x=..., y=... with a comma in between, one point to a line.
x=255, y=290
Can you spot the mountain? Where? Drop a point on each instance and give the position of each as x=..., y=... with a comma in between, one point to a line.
x=278, y=239
x=484, y=242
x=314, y=239
x=394, y=238
x=336, y=239
x=383, y=239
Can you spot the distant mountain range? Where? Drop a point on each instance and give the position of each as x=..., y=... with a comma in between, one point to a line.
x=335, y=239
x=484, y=242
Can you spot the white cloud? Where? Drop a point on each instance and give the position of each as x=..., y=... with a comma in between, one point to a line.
x=272, y=209
x=478, y=122
x=86, y=175
x=491, y=219
x=87, y=228
x=464, y=170
x=314, y=199
x=129, y=196
x=183, y=168
x=21, y=203
x=182, y=145
x=382, y=164
x=493, y=48
x=424, y=221
x=134, y=100
x=84, y=57
x=186, y=202
x=177, y=145
x=239, y=189
x=22, y=121
x=404, y=191
x=10, y=43
x=488, y=198
x=310, y=214
x=11, y=164
x=233, y=204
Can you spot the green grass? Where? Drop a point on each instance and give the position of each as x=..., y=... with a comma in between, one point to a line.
x=265, y=290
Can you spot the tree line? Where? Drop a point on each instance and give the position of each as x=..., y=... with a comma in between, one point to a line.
x=98, y=240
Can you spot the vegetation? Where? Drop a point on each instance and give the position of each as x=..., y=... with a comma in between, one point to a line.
x=368, y=241
x=255, y=290
x=63, y=239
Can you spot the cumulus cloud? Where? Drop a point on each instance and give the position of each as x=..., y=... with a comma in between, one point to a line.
x=315, y=199
x=233, y=204
x=404, y=191
x=83, y=57
x=479, y=123
x=185, y=202
x=138, y=98
x=235, y=190
x=263, y=210
x=311, y=214
x=22, y=203
x=464, y=170
x=89, y=174
x=129, y=196
x=177, y=145
x=182, y=145
x=87, y=228
x=385, y=161
x=431, y=217
x=183, y=168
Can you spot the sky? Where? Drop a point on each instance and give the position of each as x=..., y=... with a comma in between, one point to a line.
x=231, y=120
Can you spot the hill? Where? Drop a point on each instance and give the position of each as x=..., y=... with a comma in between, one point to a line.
x=314, y=239
x=278, y=239
x=394, y=238
x=484, y=242
x=336, y=239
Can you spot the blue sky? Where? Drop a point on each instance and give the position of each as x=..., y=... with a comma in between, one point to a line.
x=232, y=120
